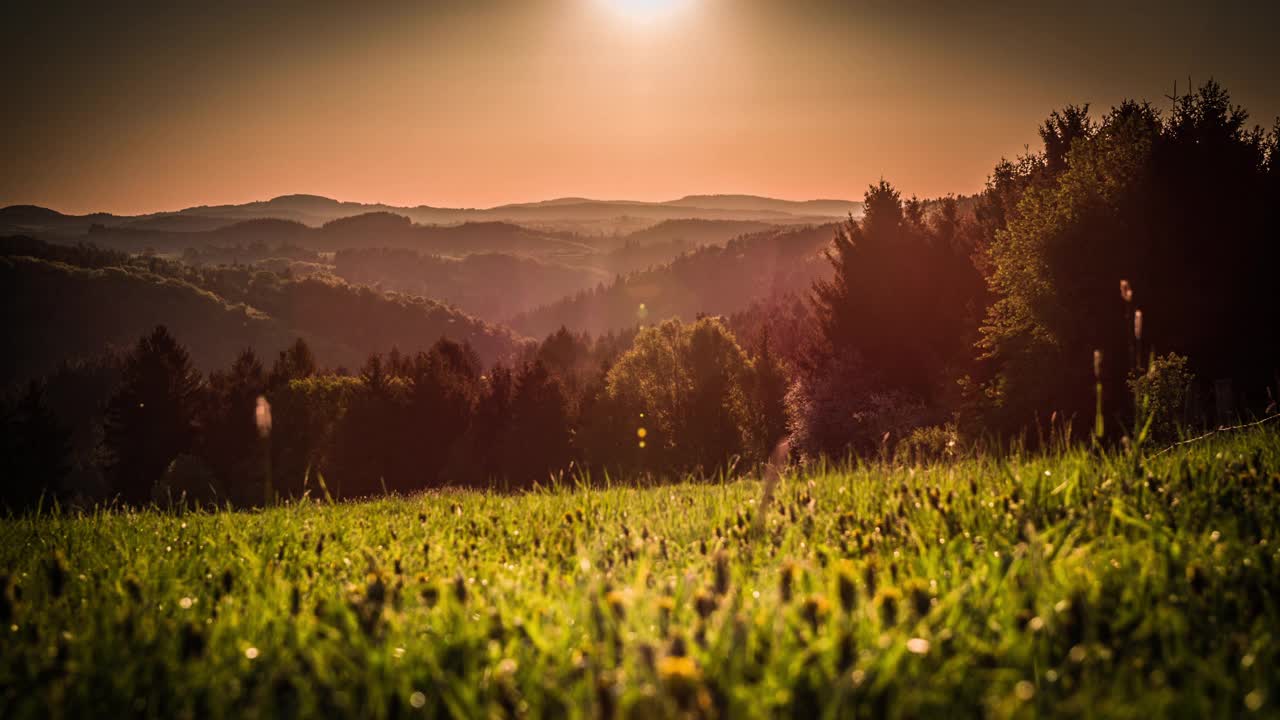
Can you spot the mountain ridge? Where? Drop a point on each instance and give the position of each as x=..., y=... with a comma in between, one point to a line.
x=317, y=210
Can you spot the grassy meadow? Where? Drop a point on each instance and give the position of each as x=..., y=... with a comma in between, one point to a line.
x=1068, y=584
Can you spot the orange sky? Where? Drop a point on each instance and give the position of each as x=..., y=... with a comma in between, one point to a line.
x=482, y=102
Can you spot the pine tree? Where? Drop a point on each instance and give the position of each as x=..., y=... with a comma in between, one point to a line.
x=152, y=417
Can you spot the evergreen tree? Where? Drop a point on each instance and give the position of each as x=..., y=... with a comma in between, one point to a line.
x=230, y=441
x=36, y=454
x=152, y=417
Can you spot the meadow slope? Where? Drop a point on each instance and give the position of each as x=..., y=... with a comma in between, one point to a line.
x=1059, y=585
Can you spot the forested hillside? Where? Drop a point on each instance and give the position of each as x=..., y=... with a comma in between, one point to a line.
x=57, y=310
x=715, y=280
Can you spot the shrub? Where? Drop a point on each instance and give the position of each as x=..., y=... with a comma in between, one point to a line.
x=928, y=444
x=1160, y=395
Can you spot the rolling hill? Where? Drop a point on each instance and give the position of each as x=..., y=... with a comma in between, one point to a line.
x=713, y=280
x=57, y=310
x=560, y=213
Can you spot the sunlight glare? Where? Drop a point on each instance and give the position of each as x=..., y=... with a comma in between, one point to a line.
x=645, y=11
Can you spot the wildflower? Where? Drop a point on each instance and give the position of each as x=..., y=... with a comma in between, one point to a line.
x=888, y=601
x=617, y=603
x=848, y=650
x=678, y=648
x=1197, y=578
x=704, y=602
x=648, y=656
x=921, y=599
x=918, y=646
x=722, y=572
x=678, y=670
x=815, y=610
x=846, y=590
x=57, y=572
x=133, y=589
x=430, y=595
x=786, y=582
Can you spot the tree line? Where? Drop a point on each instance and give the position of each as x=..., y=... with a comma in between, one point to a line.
x=1117, y=283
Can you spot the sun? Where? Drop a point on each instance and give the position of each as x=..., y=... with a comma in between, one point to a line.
x=645, y=11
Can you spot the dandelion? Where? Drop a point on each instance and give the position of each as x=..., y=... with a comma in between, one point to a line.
x=1024, y=690
x=705, y=603
x=617, y=603
x=918, y=646
x=869, y=577
x=251, y=653
x=678, y=670
x=417, y=699
x=921, y=599
x=1197, y=578
x=815, y=610
x=846, y=589
x=57, y=572
x=786, y=582
x=722, y=572
x=888, y=601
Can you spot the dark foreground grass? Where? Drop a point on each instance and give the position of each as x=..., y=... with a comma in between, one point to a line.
x=1066, y=585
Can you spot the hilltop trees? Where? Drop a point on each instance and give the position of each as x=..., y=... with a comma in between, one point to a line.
x=229, y=437
x=894, y=325
x=36, y=450
x=152, y=417
x=687, y=390
x=984, y=312
x=1182, y=208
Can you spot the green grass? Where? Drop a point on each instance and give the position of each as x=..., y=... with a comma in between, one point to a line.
x=1064, y=585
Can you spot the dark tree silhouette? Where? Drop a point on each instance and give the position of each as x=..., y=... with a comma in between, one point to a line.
x=538, y=440
x=230, y=442
x=1181, y=208
x=36, y=452
x=152, y=417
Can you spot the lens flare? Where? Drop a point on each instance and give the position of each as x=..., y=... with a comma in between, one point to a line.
x=645, y=11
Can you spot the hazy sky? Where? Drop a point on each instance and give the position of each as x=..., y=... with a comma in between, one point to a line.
x=482, y=102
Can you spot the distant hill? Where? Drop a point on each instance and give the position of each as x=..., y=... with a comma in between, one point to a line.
x=558, y=213
x=375, y=229
x=493, y=286
x=716, y=280
x=660, y=244
x=55, y=309
x=755, y=203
